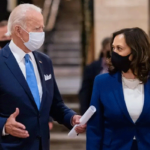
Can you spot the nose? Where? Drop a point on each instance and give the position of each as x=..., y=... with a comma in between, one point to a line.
x=41, y=30
x=115, y=50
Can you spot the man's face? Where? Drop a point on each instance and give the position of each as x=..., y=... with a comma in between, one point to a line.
x=3, y=38
x=34, y=23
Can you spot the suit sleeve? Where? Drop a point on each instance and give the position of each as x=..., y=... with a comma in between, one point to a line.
x=2, y=124
x=50, y=119
x=59, y=112
x=95, y=125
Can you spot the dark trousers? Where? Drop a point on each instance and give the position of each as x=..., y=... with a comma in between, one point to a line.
x=40, y=147
x=134, y=145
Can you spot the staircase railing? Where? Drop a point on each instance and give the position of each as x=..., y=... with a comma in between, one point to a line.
x=50, y=11
x=46, y=9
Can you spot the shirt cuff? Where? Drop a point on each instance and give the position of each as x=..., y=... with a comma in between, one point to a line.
x=71, y=120
x=3, y=132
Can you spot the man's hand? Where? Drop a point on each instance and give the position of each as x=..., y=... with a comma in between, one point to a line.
x=50, y=124
x=75, y=120
x=15, y=128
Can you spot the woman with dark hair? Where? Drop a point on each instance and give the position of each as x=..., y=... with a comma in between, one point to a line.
x=122, y=120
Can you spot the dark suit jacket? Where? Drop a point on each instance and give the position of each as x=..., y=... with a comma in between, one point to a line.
x=14, y=92
x=85, y=93
x=111, y=127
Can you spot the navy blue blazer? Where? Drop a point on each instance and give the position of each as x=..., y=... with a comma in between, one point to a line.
x=14, y=92
x=111, y=127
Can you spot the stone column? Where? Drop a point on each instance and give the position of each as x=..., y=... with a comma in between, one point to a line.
x=112, y=15
x=11, y=4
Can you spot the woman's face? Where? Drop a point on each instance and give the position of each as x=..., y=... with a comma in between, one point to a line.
x=120, y=47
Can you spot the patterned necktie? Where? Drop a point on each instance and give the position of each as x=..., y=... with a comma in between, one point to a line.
x=31, y=80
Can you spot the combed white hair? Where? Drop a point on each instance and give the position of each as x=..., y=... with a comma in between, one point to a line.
x=18, y=16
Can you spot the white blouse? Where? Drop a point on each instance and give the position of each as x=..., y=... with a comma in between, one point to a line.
x=134, y=97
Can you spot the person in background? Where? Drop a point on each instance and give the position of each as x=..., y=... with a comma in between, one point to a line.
x=3, y=38
x=122, y=96
x=4, y=15
x=90, y=72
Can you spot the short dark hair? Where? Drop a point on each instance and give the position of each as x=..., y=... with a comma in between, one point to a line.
x=139, y=43
x=105, y=41
x=3, y=23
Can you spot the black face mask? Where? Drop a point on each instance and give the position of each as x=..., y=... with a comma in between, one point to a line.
x=3, y=43
x=121, y=63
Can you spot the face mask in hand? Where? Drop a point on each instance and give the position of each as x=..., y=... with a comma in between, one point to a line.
x=121, y=63
x=36, y=40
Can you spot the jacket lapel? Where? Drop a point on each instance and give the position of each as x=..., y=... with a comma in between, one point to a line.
x=146, y=107
x=13, y=66
x=40, y=69
x=118, y=93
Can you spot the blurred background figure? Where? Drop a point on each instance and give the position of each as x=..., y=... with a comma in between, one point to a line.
x=3, y=38
x=4, y=14
x=90, y=72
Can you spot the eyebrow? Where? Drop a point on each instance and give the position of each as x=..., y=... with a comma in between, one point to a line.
x=40, y=26
x=37, y=26
x=117, y=45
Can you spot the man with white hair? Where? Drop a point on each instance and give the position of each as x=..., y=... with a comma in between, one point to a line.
x=28, y=90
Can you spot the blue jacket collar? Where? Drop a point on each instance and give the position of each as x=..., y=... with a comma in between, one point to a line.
x=118, y=93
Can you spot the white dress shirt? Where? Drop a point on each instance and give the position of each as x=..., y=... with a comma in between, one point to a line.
x=19, y=56
x=134, y=97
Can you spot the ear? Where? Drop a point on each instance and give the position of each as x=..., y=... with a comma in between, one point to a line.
x=18, y=31
x=131, y=57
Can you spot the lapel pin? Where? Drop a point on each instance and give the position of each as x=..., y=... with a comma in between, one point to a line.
x=40, y=62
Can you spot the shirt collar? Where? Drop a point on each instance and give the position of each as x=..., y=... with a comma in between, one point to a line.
x=19, y=53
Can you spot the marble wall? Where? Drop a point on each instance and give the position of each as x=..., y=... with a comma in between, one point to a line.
x=112, y=15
